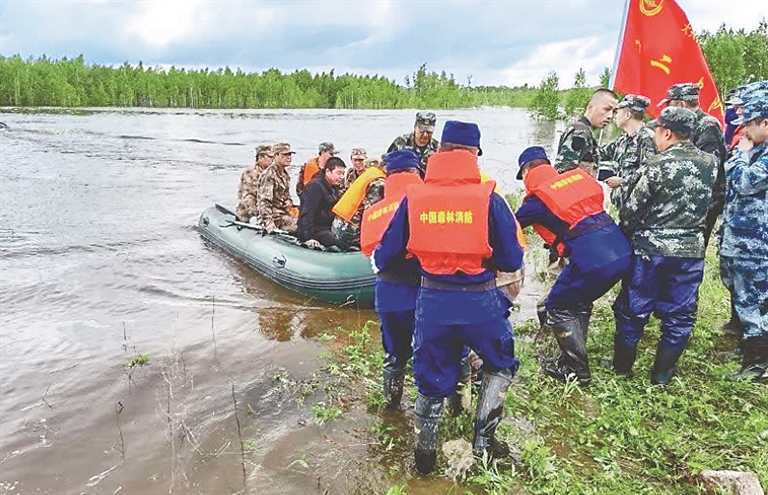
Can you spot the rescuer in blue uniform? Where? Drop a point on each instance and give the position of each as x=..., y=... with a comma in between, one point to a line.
x=567, y=212
x=396, y=287
x=461, y=232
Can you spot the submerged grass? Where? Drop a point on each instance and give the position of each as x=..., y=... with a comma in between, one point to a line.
x=616, y=436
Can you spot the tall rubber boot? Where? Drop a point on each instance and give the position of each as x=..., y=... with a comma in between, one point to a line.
x=490, y=410
x=394, y=379
x=664, y=364
x=754, y=364
x=454, y=400
x=624, y=356
x=427, y=413
x=541, y=312
x=572, y=340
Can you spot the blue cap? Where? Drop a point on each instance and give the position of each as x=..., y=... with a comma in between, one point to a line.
x=528, y=155
x=755, y=108
x=401, y=160
x=463, y=133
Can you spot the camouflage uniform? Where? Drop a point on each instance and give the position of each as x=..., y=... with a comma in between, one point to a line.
x=349, y=232
x=569, y=158
x=351, y=177
x=426, y=120
x=664, y=218
x=744, y=248
x=249, y=183
x=273, y=192
x=628, y=153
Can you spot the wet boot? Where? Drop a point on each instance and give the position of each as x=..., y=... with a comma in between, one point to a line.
x=427, y=413
x=541, y=312
x=734, y=325
x=571, y=337
x=754, y=364
x=664, y=364
x=490, y=410
x=624, y=356
x=455, y=406
x=394, y=379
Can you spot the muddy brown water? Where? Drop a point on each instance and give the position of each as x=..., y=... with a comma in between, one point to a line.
x=100, y=262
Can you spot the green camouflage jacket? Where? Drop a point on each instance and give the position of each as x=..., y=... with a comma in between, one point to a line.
x=626, y=155
x=407, y=142
x=568, y=158
x=273, y=191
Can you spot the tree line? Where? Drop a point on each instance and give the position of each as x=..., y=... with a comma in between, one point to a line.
x=73, y=83
x=734, y=58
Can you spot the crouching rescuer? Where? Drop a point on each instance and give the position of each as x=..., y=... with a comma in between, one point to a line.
x=462, y=233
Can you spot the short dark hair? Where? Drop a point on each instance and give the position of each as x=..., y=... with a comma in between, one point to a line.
x=453, y=146
x=333, y=163
x=637, y=115
x=604, y=92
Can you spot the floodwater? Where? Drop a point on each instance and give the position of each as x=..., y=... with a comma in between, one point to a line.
x=100, y=263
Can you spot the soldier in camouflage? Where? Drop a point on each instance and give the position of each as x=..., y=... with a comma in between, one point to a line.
x=665, y=216
x=744, y=248
x=708, y=137
x=274, y=203
x=349, y=232
x=420, y=141
x=358, y=157
x=578, y=141
x=249, y=183
x=630, y=151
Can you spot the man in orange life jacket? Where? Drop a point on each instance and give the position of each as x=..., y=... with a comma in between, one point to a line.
x=567, y=212
x=397, y=285
x=461, y=232
x=313, y=166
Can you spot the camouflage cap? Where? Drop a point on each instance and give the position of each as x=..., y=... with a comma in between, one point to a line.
x=636, y=103
x=755, y=108
x=679, y=120
x=426, y=121
x=748, y=91
x=282, y=148
x=682, y=92
x=358, y=153
x=374, y=162
x=326, y=146
x=264, y=149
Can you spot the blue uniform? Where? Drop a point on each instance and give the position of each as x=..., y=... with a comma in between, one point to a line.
x=597, y=259
x=449, y=318
x=395, y=303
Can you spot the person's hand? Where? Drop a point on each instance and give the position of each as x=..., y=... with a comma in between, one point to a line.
x=312, y=243
x=513, y=282
x=288, y=204
x=745, y=144
x=270, y=227
x=614, y=182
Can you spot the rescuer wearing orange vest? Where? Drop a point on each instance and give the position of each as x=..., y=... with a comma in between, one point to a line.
x=396, y=287
x=462, y=233
x=567, y=212
x=313, y=166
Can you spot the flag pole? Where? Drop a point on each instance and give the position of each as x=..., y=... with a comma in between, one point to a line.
x=619, y=44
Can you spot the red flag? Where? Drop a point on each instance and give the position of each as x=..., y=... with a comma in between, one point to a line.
x=659, y=48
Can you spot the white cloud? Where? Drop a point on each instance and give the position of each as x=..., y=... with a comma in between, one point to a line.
x=161, y=22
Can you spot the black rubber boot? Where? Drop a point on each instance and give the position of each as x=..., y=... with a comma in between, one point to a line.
x=664, y=364
x=427, y=413
x=393, y=386
x=624, y=356
x=490, y=410
x=454, y=401
x=734, y=325
x=754, y=364
x=571, y=337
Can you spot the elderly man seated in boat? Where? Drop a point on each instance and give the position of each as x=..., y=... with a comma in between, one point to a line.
x=318, y=199
x=366, y=190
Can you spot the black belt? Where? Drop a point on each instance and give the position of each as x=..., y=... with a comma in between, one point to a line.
x=398, y=279
x=429, y=283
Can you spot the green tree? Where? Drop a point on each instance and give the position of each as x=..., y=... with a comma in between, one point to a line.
x=546, y=103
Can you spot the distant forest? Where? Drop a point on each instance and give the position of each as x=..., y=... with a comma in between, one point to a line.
x=73, y=83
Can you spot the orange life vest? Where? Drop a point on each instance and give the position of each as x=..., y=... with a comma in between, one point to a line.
x=310, y=169
x=448, y=215
x=350, y=201
x=571, y=196
x=376, y=217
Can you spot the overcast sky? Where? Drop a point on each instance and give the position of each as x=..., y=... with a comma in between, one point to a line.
x=498, y=42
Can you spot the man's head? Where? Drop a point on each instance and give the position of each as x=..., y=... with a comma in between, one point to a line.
x=265, y=155
x=755, y=117
x=283, y=154
x=358, y=157
x=600, y=108
x=424, y=127
x=402, y=161
x=334, y=171
x=461, y=135
x=324, y=152
x=684, y=95
x=531, y=157
x=631, y=108
x=673, y=125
